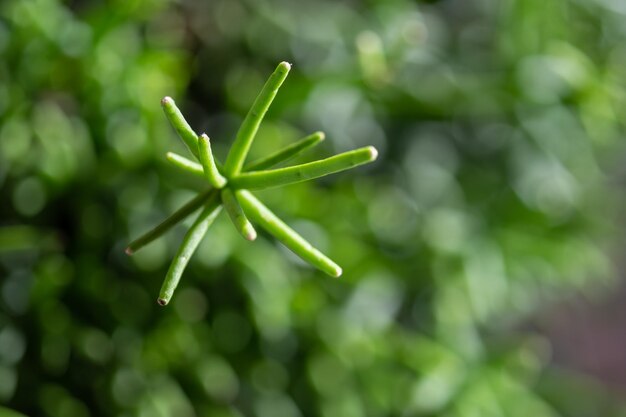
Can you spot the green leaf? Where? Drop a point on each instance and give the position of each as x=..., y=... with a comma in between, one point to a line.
x=289, y=237
x=237, y=155
x=178, y=216
x=210, y=169
x=236, y=214
x=185, y=164
x=181, y=126
x=286, y=153
x=257, y=180
x=187, y=248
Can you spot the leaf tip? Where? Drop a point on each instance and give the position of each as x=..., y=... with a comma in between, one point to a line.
x=373, y=153
x=250, y=234
x=337, y=271
x=167, y=101
x=284, y=66
x=162, y=301
x=129, y=251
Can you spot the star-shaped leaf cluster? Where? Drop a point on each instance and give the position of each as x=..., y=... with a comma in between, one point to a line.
x=228, y=185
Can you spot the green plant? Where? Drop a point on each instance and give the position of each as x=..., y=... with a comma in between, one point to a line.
x=230, y=182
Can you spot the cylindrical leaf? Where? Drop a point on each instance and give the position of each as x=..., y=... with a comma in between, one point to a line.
x=247, y=131
x=286, y=153
x=179, y=215
x=289, y=237
x=181, y=126
x=187, y=248
x=236, y=214
x=256, y=180
x=185, y=164
x=208, y=163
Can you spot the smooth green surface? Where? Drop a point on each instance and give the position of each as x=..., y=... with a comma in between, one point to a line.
x=283, y=176
x=175, y=218
x=286, y=153
x=264, y=217
x=181, y=126
x=208, y=163
x=190, y=242
x=185, y=164
x=236, y=214
x=245, y=135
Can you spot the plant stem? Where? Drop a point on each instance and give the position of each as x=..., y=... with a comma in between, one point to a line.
x=210, y=169
x=263, y=216
x=181, y=126
x=286, y=153
x=238, y=217
x=179, y=215
x=189, y=245
x=276, y=177
x=252, y=121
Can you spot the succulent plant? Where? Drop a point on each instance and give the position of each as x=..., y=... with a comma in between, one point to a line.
x=229, y=185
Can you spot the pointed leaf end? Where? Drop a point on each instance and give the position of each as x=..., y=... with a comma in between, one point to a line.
x=129, y=251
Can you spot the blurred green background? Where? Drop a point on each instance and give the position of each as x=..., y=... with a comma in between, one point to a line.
x=496, y=195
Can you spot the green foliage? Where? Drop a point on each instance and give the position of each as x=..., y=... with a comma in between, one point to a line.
x=498, y=125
